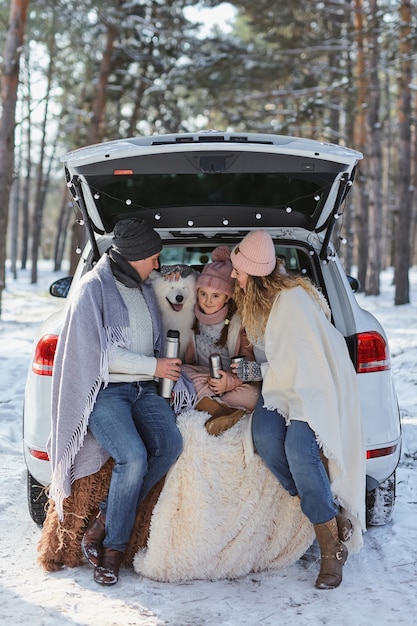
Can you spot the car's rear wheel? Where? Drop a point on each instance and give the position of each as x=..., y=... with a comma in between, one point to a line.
x=380, y=503
x=37, y=500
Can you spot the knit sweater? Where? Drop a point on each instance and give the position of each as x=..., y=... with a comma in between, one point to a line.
x=237, y=343
x=138, y=362
x=238, y=395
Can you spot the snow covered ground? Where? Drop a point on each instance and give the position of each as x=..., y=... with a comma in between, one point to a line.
x=380, y=583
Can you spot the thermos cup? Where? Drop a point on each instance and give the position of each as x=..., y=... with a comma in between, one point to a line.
x=171, y=351
x=215, y=365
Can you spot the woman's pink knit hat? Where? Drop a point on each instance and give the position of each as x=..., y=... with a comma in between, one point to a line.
x=217, y=274
x=255, y=254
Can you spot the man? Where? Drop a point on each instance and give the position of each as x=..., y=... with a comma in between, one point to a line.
x=105, y=401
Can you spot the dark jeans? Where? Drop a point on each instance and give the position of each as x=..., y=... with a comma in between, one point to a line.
x=137, y=428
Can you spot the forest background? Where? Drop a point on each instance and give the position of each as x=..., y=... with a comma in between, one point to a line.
x=76, y=73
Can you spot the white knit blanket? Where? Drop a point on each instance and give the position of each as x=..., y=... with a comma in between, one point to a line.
x=221, y=513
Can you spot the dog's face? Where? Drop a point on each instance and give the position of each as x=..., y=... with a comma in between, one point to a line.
x=175, y=295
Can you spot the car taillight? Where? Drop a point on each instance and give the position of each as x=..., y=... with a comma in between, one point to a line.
x=44, y=355
x=39, y=454
x=372, y=354
x=373, y=454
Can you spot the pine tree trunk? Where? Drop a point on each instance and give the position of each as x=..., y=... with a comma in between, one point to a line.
x=361, y=140
x=403, y=227
x=374, y=159
x=9, y=84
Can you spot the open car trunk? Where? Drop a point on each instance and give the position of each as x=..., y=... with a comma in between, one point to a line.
x=189, y=184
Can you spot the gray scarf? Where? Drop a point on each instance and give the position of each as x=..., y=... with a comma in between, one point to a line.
x=125, y=273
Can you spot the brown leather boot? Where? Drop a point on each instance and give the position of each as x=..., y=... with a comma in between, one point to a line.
x=93, y=539
x=218, y=424
x=208, y=405
x=333, y=555
x=107, y=570
x=343, y=523
x=344, y=526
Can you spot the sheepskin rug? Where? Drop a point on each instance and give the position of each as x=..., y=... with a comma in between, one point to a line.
x=221, y=513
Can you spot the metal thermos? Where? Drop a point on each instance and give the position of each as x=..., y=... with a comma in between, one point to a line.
x=171, y=351
x=215, y=365
x=237, y=359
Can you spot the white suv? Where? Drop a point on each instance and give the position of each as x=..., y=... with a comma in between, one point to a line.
x=199, y=190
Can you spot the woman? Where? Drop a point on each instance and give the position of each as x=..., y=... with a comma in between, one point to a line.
x=307, y=425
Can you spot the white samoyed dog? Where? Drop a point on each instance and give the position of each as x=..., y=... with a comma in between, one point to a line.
x=176, y=298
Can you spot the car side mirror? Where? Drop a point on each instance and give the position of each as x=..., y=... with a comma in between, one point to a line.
x=60, y=287
x=354, y=283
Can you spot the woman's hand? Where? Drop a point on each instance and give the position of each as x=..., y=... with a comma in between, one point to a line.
x=248, y=371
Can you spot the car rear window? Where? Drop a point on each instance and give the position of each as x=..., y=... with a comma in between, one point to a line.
x=296, y=259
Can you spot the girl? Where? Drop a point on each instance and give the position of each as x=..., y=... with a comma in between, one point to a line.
x=218, y=329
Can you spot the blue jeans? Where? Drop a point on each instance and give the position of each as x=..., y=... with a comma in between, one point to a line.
x=137, y=428
x=293, y=456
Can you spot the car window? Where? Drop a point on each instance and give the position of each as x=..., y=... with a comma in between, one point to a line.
x=295, y=259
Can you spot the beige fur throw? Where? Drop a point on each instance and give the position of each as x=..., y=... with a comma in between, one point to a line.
x=221, y=513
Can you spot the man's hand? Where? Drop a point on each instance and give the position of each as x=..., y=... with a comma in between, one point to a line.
x=168, y=368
